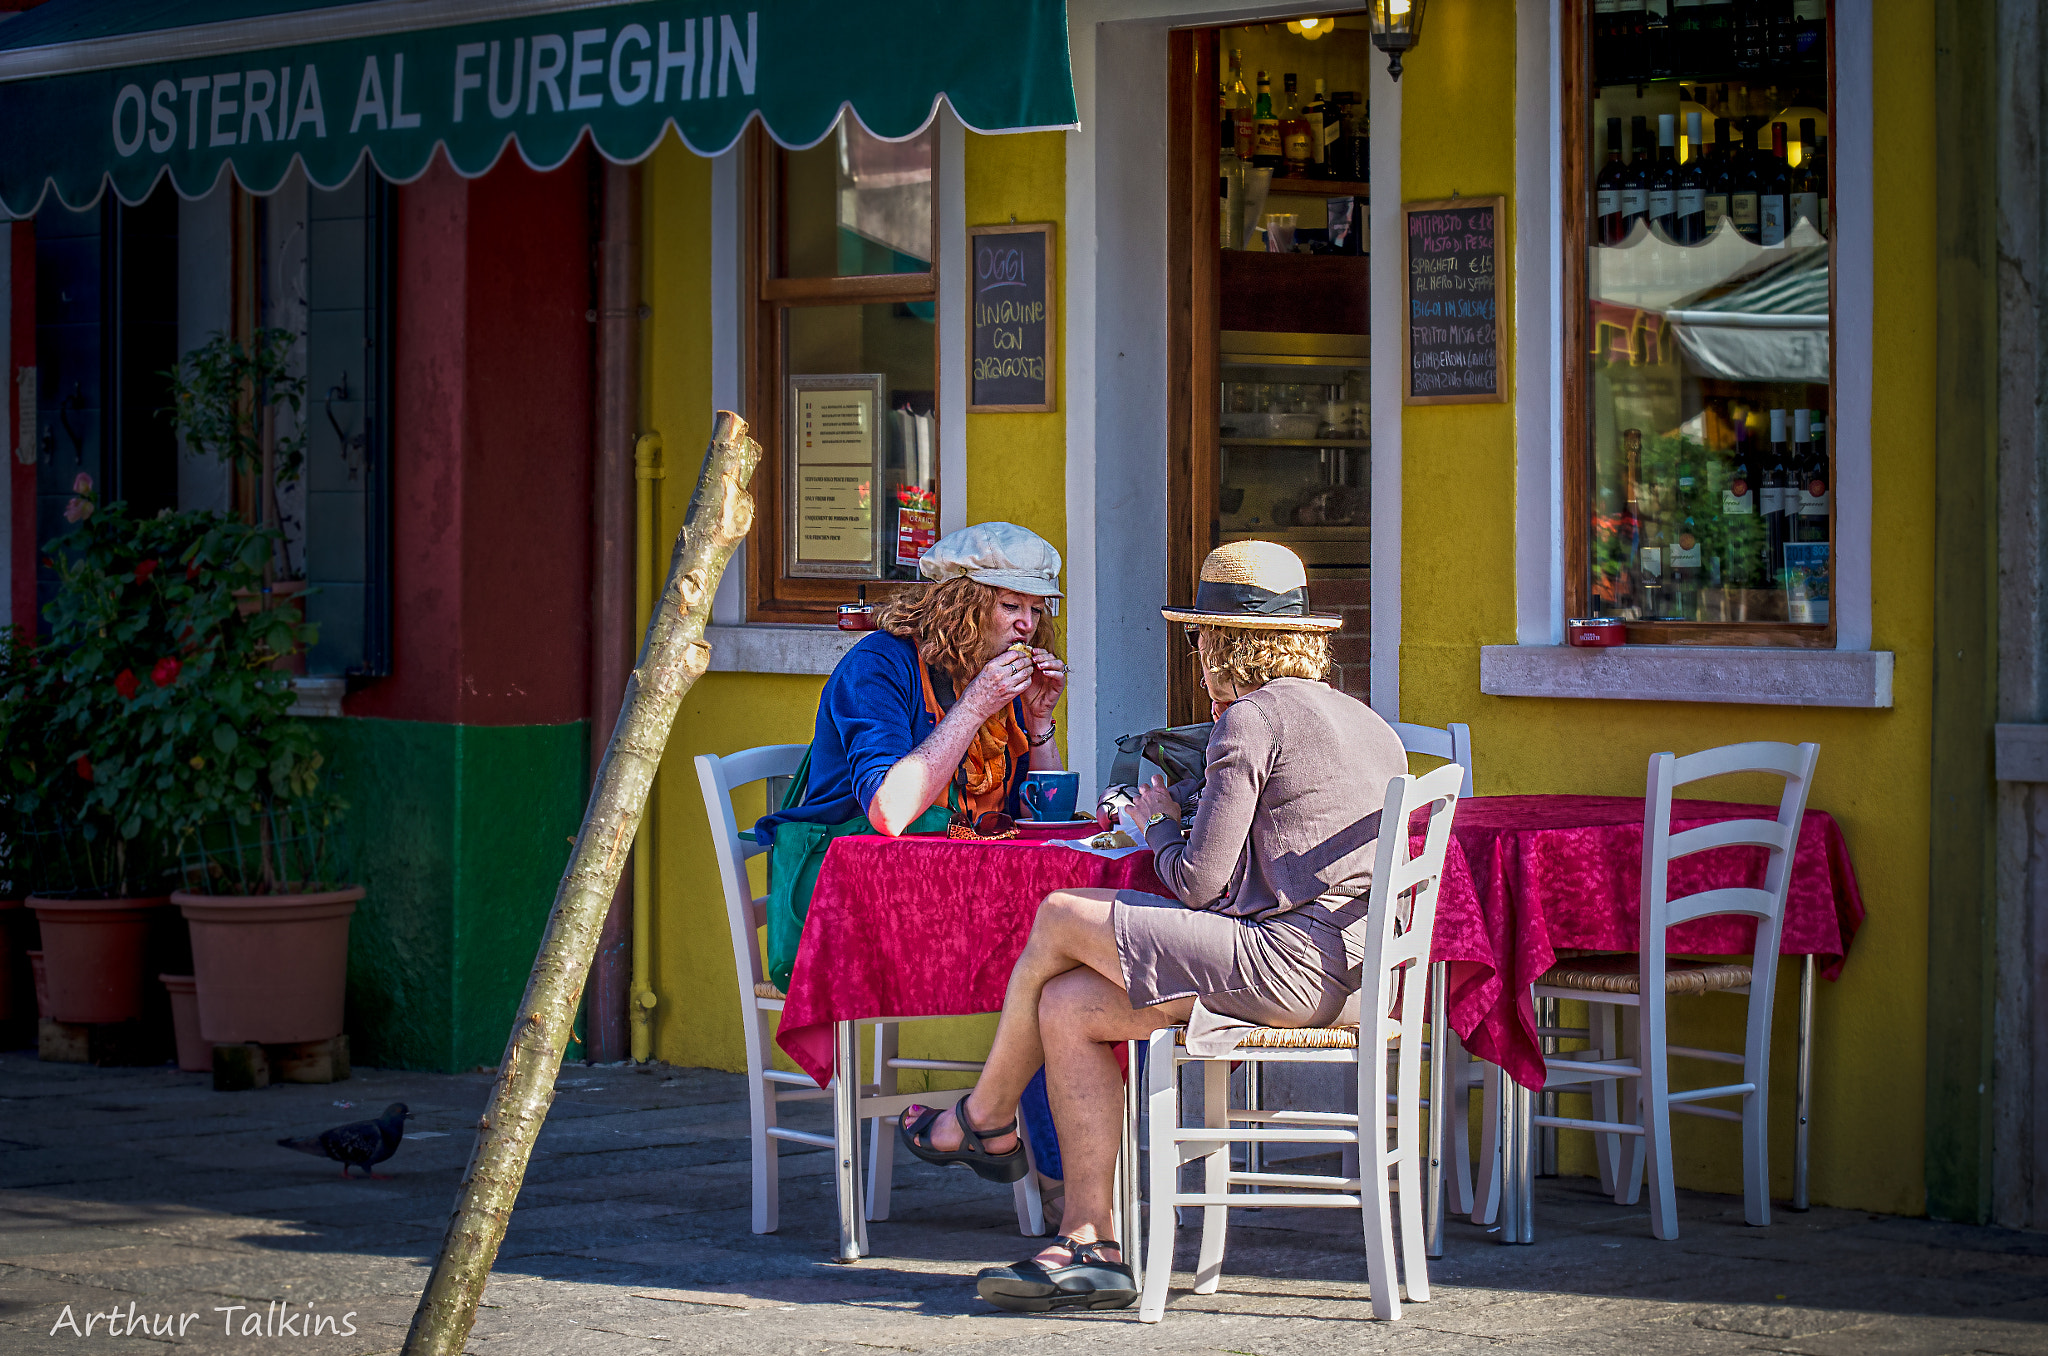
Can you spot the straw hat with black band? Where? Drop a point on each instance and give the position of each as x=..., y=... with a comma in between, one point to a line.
x=1260, y=585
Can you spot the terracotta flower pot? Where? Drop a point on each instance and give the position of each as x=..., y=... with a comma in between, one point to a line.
x=195, y=1052
x=271, y=968
x=93, y=956
x=42, y=983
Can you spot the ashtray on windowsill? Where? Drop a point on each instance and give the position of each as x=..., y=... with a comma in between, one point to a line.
x=1596, y=633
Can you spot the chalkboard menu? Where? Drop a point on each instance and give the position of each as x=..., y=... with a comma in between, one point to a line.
x=1010, y=317
x=1451, y=344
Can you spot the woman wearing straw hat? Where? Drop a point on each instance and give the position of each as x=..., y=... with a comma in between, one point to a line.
x=1270, y=886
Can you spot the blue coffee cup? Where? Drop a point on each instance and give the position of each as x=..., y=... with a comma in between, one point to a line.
x=1050, y=796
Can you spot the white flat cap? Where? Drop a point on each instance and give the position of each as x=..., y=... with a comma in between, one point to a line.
x=1001, y=555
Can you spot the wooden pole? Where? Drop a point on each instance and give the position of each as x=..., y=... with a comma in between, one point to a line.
x=672, y=658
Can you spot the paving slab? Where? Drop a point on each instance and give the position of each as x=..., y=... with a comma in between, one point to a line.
x=142, y=1192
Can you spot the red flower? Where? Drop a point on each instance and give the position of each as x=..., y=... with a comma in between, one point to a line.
x=125, y=684
x=145, y=570
x=192, y=572
x=166, y=671
x=84, y=768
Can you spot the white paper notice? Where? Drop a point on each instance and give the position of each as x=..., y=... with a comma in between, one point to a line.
x=835, y=467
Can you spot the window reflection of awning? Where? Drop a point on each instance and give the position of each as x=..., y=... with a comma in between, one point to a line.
x=1771, y=326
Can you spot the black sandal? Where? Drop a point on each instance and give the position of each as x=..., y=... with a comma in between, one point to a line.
x=993, y=1167
x=1089, y=1281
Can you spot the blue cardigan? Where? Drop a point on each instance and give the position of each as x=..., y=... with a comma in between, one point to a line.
x=870, y=715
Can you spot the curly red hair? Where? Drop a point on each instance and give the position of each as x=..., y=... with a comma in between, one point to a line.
x=947, y=621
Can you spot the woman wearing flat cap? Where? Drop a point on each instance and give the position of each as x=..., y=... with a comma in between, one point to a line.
x=1266, y=927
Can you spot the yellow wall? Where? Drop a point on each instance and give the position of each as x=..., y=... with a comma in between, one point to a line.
x=1457, y=595
x=1016, y=470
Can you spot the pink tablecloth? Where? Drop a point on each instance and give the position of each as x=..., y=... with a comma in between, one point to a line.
x=1555, y=872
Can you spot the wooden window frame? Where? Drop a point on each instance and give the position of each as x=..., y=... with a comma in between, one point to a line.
x=771, y=595
x=1575, y=68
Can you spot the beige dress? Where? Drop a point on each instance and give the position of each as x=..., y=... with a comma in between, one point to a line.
x=1271, y=884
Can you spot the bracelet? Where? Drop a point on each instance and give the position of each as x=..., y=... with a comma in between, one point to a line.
x=1052, y=728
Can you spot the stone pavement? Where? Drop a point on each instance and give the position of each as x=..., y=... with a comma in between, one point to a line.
x=144, y=1191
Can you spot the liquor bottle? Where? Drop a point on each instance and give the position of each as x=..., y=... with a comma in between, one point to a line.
x=1326, y=127
x=1664, y=177
x=1720, y=174
x=1690, y=208
x=1813, y=489
x=1682, y=564
x=1229, y=189
x=1265, y=128
x=1747, y=188
x=1774, y=196
x=1635, y=182
x=1608, y=219
x=1626, y=46
x=1348, y=159
x=1632, y=520
x=1805, y=199
x=1600, y=34
x=1810, y=32
x=1242, y=132
x=1774, y=509
x=1295, y=137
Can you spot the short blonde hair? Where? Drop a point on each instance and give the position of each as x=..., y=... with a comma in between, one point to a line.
x=1248, y=656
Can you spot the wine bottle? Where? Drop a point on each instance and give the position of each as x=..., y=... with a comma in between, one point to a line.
x=1748, y=187
x=1688, y=34
x=1265, y=128
x=1813, y=490
x=1656, y=40
x=1607, y=216
x=1690, y=209
x=1826, y=221
x=1741, y=558
x=1295, y=138
x=1635, y=183
x=1601, y=35
x=1720, y=178
x=1805, y=199
x=1628, y=42
x=1327, y=128
x=1632, y=521
x=1716, y=50
x=1774, y=191
x=1663, y=186
x=1682, y=554
x=1241, y=110
x=1774, y=509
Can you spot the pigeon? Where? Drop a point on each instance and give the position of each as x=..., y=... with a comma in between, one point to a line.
x=359, y=1145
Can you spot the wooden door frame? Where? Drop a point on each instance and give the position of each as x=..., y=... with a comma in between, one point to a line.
x=1192, y=300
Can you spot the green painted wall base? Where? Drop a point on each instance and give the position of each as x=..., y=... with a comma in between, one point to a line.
x=460, y=834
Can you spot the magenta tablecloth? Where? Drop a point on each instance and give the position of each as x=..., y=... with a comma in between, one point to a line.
x=1553, y=872
x=922, y=927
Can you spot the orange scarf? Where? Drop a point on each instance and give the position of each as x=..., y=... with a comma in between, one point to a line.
x=999, y=747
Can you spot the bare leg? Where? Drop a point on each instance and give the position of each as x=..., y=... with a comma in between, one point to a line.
x=1072, y=931
x=1082, y=1017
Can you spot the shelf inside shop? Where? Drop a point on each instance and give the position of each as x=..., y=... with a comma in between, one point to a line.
x=1319, y=188
x=1360, y=443
x=1784, y=76
x=1296, y=293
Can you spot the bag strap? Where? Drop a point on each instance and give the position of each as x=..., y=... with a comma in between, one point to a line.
x=799, y=784
x=1124, y=771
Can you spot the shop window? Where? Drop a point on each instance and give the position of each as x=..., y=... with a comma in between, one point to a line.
x=1700, y=371
x=106, y=332
x=843, y=382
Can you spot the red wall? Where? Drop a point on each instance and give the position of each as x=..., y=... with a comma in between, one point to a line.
x=491, y=455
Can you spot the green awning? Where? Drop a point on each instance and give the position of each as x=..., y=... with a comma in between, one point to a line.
x=124, y=91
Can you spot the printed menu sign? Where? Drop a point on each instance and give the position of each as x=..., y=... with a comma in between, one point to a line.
x=1451, y=343
x=1010, y=317
x=833, y=446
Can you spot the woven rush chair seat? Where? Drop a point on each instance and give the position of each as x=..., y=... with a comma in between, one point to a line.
x=1619, y=974
x=1300, y=1038
x=766, y=990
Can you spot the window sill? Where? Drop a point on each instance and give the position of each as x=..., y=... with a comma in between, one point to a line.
x=317, y=696
x=1756, y=676
x=769, y=648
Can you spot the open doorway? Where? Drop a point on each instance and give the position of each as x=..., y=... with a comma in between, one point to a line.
x=1269, y=328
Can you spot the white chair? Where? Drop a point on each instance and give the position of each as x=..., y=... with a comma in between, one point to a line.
x=768, y=1088
x=1400, y=915
x=1625, y=1068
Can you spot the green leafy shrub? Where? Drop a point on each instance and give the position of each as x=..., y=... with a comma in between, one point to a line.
x=166, y=705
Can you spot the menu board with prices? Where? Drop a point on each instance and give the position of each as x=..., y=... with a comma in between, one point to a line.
x=833, y=463
x=1451, y=343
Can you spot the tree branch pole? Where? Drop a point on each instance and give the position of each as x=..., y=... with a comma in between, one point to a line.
x=672, y=658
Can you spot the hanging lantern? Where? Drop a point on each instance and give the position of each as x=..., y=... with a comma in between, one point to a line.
x=1396, y=28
